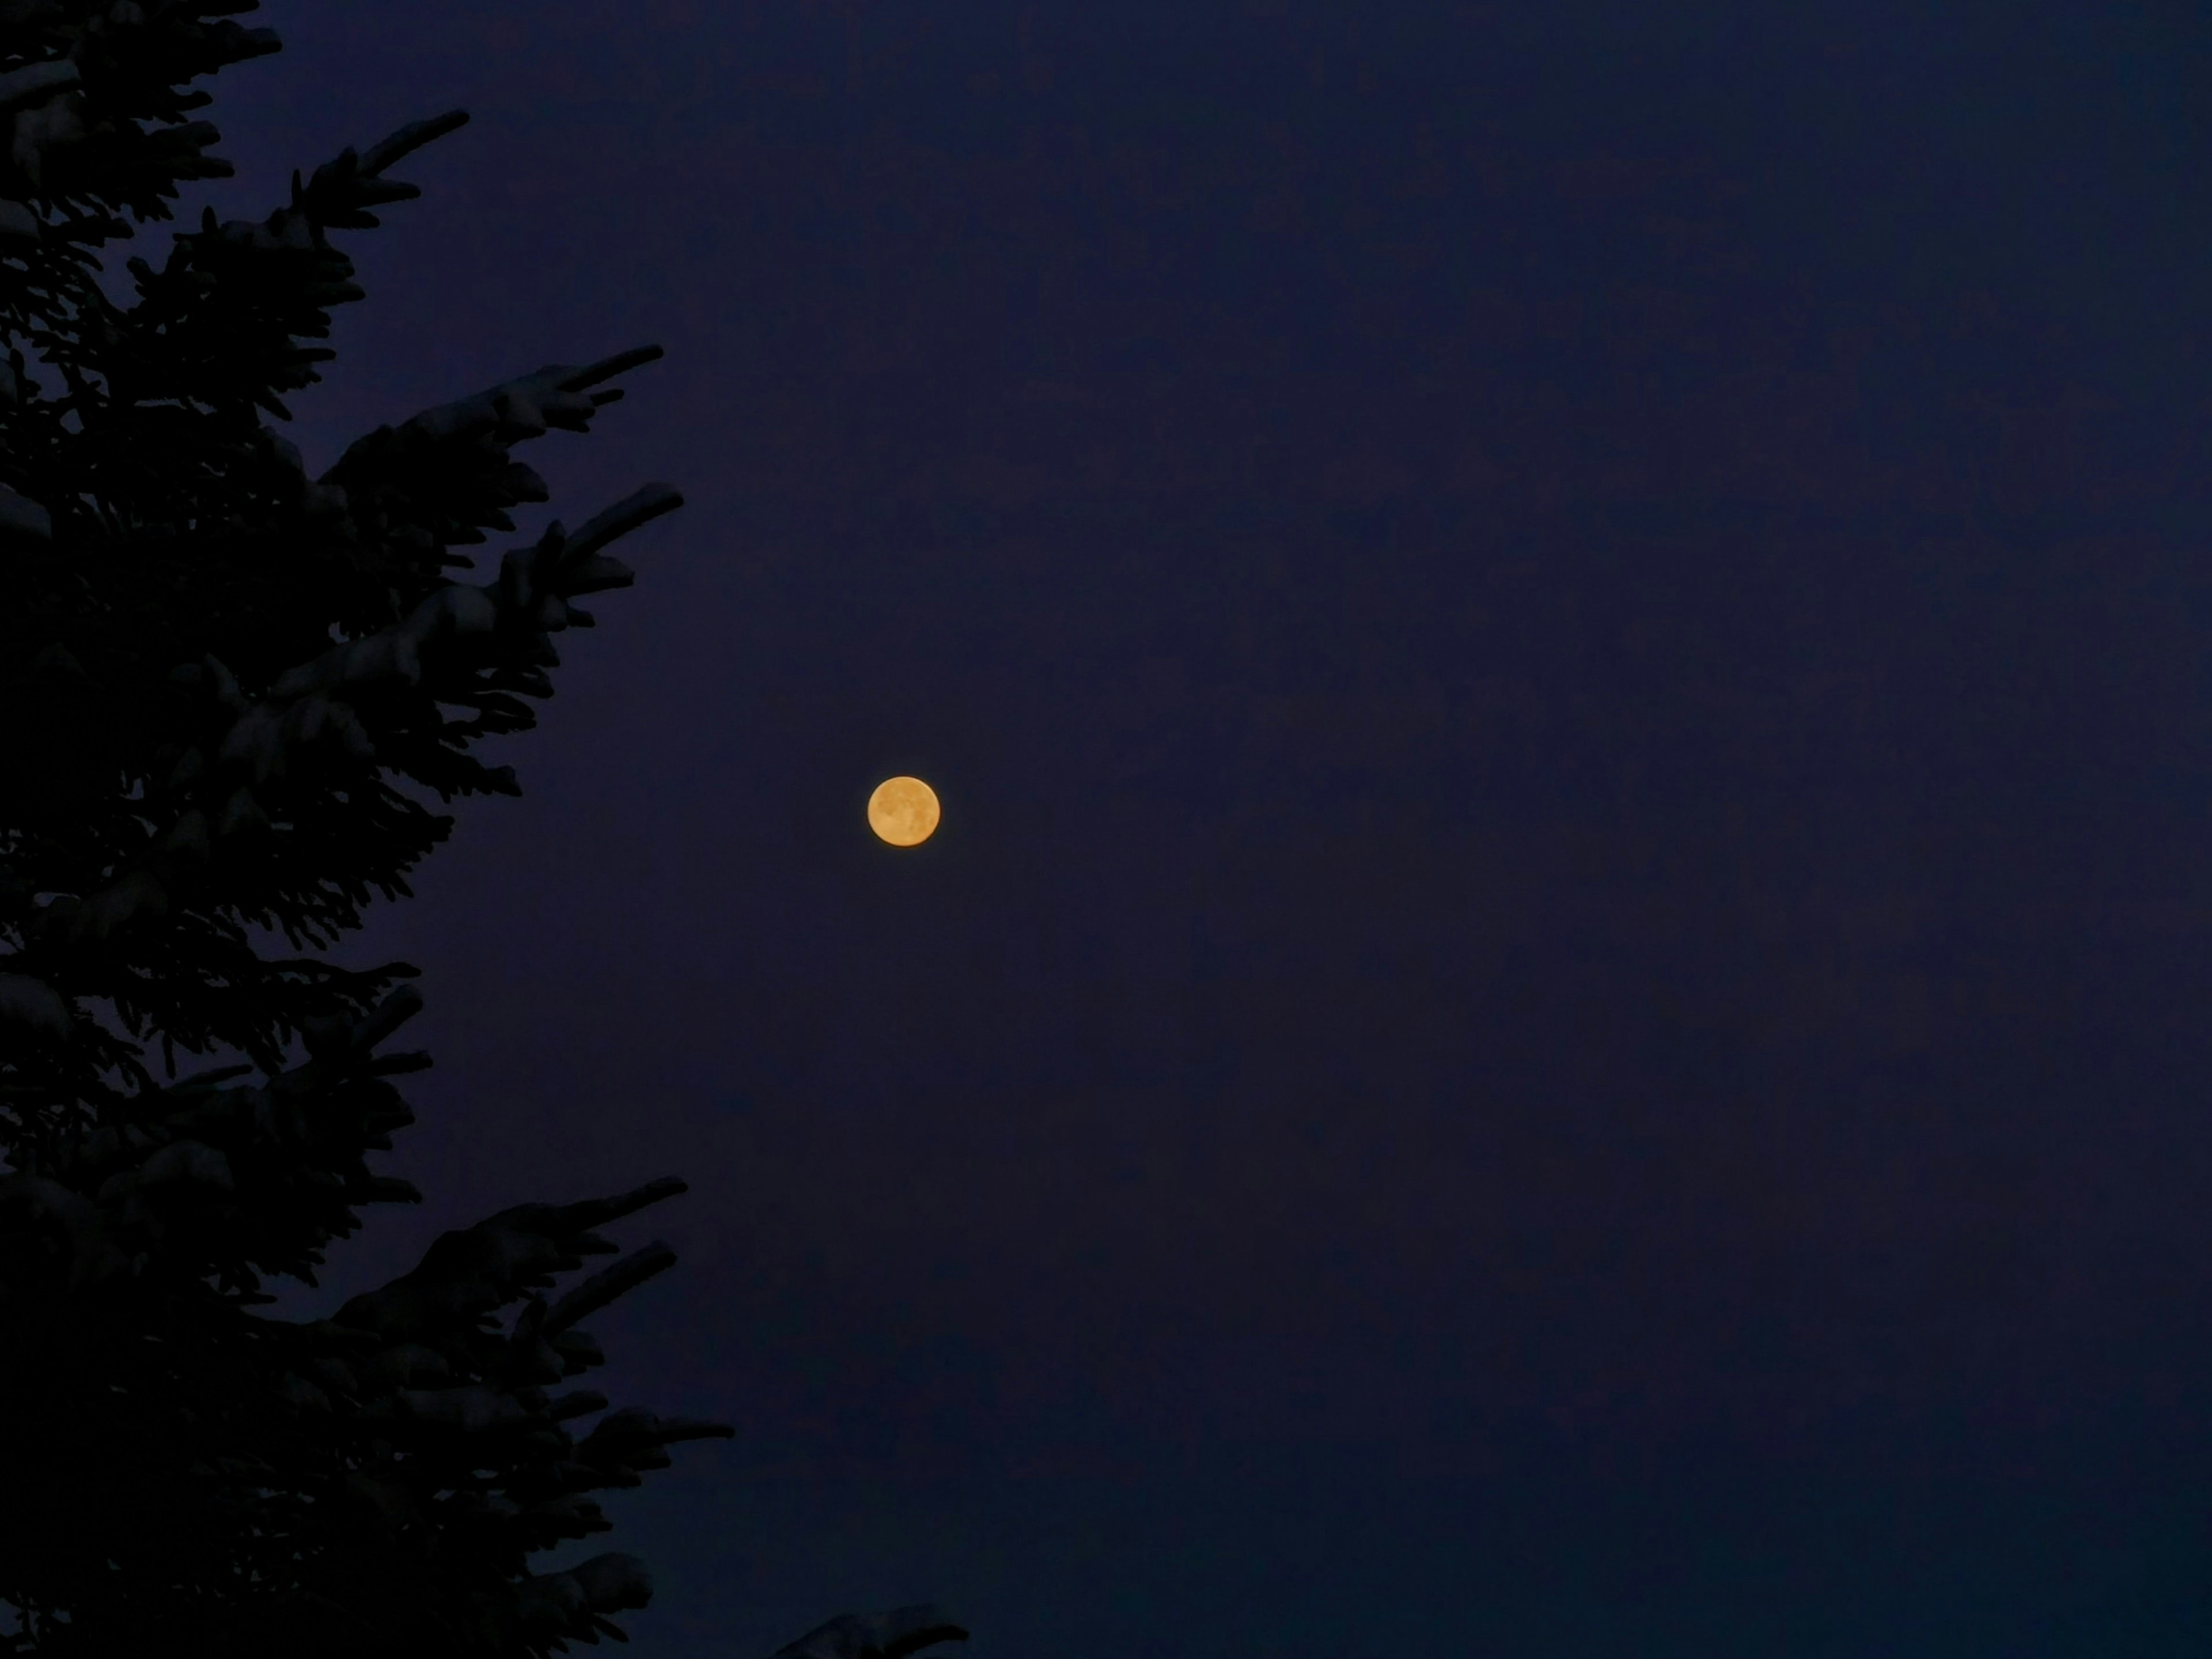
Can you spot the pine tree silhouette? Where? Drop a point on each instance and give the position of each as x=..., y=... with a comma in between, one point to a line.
x=212, y=665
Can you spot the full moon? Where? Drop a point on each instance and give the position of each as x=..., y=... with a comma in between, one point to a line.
x=902, y=811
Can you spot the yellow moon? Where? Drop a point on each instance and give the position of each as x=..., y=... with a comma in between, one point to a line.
x=902, y=811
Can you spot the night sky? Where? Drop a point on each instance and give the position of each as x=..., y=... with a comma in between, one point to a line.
x=1561, y=1008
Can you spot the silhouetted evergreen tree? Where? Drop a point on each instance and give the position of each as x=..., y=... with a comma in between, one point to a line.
x=212, y=667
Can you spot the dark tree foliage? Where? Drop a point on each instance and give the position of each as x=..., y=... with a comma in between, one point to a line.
x=213, y=667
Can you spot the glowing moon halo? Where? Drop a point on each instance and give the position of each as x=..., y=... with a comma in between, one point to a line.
x=903, y=811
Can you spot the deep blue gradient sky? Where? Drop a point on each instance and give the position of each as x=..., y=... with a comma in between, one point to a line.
x=1561, y=1008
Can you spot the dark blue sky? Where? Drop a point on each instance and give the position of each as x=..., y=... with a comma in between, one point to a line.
x=1561, y=1008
